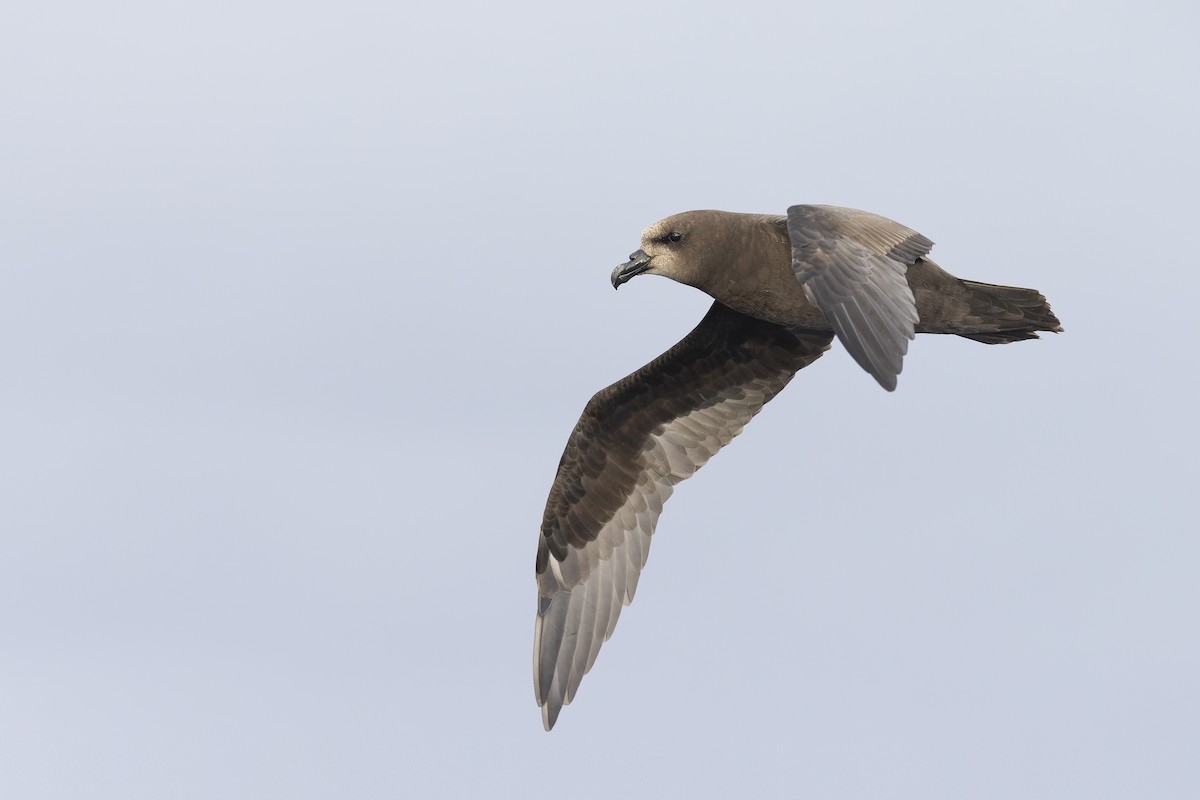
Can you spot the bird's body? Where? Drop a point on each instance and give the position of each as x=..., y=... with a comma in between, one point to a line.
x=751, y=259
x=784, y=286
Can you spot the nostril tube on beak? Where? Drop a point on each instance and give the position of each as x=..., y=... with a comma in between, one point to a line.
x=638, y=263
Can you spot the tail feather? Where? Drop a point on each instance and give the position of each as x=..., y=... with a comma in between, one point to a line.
x=984, y=312
x=1003, y=314
x=1001, y=337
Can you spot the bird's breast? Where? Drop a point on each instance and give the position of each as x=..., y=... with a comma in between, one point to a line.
x=782, y=301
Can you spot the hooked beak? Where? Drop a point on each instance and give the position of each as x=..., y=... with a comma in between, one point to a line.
x=638, y=263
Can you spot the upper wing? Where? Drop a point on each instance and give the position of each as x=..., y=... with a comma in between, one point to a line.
x=634, y=442
x=853, y=264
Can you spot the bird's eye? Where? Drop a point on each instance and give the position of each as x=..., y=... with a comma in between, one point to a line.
x=674, y=236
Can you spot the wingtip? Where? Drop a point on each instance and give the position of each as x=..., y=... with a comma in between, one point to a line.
x=550, y=715
x=888, y=382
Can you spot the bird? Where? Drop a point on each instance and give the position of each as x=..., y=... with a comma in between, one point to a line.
x=783, y=287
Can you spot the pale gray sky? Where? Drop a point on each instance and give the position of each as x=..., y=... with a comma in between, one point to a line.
x=300, y=302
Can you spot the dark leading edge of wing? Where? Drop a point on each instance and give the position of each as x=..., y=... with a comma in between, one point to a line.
x=634, y=442
x=854, y=265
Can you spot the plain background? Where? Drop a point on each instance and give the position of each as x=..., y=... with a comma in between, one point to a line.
x=299, y=302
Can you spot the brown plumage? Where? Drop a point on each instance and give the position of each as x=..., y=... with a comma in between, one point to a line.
x=784, y=287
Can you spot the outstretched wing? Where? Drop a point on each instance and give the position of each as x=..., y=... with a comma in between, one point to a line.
x=634, y=442
x=853, y=264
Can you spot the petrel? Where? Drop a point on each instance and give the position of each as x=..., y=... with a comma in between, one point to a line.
x=784, y=287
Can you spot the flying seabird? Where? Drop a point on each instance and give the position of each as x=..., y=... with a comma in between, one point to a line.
x=783, y=287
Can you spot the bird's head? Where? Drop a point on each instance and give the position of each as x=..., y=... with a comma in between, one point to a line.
x=679, y=247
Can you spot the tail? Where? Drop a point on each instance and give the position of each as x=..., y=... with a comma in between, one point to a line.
x=981, y=311
x=1003, y=314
